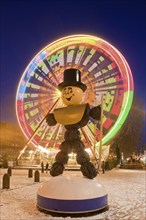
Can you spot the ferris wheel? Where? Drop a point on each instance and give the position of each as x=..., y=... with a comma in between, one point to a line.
x=104, y=71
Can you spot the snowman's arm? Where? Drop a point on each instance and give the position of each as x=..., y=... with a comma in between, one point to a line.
x=50, y=119
x=95, y=112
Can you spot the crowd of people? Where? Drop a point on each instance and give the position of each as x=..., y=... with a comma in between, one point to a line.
x=44, y=167
x=136, y=158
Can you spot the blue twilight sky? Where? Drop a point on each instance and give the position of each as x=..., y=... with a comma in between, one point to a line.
x=27, y=26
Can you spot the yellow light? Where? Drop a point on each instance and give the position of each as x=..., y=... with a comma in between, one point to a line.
x=88, y=150
x=31, y=151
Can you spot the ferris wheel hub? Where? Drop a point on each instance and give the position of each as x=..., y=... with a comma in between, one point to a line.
x=72, y=195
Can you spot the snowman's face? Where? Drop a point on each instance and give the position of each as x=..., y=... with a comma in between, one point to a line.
x=72, y=95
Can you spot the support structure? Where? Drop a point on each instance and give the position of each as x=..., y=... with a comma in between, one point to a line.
x=30, y=139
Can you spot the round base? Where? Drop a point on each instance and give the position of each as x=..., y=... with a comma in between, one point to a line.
x=73, y=195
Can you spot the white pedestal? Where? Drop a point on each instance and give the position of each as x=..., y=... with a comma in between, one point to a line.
x=72, y=195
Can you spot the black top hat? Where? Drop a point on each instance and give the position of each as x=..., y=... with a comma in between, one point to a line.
x=72, y=77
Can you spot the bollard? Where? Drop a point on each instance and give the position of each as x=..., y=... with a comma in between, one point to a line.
x=36, y=176
x=9, y=171
x=6, y=181
x=30, y=173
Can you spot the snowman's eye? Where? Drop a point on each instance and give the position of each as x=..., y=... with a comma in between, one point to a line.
x=69, y=90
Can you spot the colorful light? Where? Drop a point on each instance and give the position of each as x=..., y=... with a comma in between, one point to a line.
x=104, y=71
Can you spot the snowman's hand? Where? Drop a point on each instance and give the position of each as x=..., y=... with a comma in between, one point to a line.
x=95, y=112
x=50, y=119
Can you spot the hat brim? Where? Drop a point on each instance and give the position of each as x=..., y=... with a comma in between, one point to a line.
x=81, y=85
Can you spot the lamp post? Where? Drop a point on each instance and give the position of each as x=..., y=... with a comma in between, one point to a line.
x=101, y=128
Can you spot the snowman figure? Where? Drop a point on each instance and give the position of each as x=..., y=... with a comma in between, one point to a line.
x=74, y=116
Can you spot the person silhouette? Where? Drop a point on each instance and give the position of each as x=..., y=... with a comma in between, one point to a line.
x=47, y=166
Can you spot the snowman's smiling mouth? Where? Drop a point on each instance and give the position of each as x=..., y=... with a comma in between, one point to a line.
x=68, y=99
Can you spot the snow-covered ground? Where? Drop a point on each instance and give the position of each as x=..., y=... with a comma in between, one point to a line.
x=126, y=196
